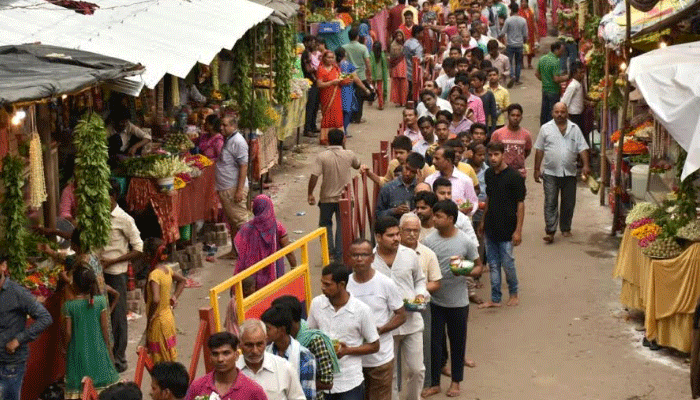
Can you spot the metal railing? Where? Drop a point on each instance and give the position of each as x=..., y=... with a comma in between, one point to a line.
x=236, y=281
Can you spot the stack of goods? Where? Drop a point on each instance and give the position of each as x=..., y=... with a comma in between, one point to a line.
x=690, y=231
x=177, y=143
x=663, y=248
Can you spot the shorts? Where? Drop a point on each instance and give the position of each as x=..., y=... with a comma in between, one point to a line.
x=236, y=213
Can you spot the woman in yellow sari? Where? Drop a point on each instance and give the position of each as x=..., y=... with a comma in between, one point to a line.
x=161, y=335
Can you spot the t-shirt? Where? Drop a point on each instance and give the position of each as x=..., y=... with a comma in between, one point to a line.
x=357, y=53
x=469, y=171
x=490, y=108
x=549, y=67
x=515, y=30
x=573, y=97
x=233, y=155
x=516, y=145
x=453, y=290
x=334, y=165
x=502, y=102
x=383, y=297
x=504, y=191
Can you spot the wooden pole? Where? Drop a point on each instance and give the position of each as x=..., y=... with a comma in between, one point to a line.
x=625, y=124
x=43, y=119
x=604, y=181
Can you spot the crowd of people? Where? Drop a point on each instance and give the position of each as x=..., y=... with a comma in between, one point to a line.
x=453, y=195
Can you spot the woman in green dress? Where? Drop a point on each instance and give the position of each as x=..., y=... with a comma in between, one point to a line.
x=86, y=335
x=380, y=72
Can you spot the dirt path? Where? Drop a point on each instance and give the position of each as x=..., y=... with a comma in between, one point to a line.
x=568, y=339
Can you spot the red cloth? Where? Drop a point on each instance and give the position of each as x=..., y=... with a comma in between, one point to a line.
x=196, y=201
x=331, y=105
x=395, y=19
x=379, y=24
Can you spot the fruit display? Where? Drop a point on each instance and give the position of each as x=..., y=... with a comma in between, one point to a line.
x=417, y=304
x=690, y=231
x=663, y=248
x=640, y=210
x=177, y=143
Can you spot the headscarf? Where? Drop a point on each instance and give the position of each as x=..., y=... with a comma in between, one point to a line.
x=305, y=335
x=257, y=239
x=396, y=47
x=364, y=32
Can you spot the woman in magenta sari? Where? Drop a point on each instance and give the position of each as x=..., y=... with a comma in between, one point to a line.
x=260, y=237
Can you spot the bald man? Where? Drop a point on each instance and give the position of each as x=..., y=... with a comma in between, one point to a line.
x=559, y=144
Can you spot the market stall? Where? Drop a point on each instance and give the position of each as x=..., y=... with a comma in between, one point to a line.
x=191, y=198
x=42, y=89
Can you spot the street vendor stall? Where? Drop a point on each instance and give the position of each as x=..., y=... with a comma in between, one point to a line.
x=179, y=205
x=659, y=256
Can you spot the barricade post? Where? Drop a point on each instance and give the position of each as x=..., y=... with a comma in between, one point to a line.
x=206, y=329
x=264, y=294
x=144, y=362
x=89, y=392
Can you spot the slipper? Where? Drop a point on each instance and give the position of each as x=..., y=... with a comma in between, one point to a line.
x=191, y=283
x=548, y=238
x=452, y=393
x=566, y=234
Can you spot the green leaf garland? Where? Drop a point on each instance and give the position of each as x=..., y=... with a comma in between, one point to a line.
x=284, y=61
x=15, y=217
x=92, y=175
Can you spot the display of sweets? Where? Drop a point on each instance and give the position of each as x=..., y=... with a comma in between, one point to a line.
x=663, y=248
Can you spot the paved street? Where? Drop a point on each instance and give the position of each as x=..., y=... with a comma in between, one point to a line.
x=568, y=338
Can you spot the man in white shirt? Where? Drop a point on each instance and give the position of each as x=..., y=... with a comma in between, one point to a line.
x=401, y=264
x=383, y=297
x=275, y=374
x=430, y=104
x=348, y=321
x=573, y=96
x=427, y=128
x=410, y=226
x=124, y=245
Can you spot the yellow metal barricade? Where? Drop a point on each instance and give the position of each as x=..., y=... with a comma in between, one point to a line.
x=236, y=281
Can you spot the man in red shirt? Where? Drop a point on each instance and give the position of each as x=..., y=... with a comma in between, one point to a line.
x=516, y=139
x=226, y=380
x=407, y=26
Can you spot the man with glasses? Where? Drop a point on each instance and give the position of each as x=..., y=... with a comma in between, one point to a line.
x=383, y=297
x=401, y=264
x=410, y=228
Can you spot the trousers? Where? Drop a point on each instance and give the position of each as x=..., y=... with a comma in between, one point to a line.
x=11, y=377
x=515, y=55
x=455, y=319
x=312, y=104
x=560, y=190
x=335, y=247
x=118, y=319
x=548, y=102
x=408, y=351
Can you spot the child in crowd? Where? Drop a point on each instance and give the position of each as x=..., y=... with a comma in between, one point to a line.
x=479, y=133
x=466, y=138
x=501, y=95
x=86, y=334
x=161, y=335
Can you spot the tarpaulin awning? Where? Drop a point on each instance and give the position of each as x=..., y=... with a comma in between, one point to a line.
x=663, y=14
x=33, y=71
x=165, y=36
x=669, y=81
x=285, y=10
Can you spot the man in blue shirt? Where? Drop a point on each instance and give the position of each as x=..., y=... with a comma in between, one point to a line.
x=16, y=303
x=396, y=197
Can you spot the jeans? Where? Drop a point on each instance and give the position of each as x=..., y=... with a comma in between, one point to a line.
x=515, y=55
x=357, y=393
x=347, y=116
x=118, y=319
x=548, y=102
x=455, y=318
x=569, y=56
x=335, y=248
x=360, y=94
x=500, y=255
x=408, y=352
x=554, y=187
x=11, y=381
x=312, y=108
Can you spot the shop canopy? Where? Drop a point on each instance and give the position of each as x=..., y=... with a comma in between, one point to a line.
x=284, y=10
x=165, y=36
x=33, y=71
x=664, y=14
x=669, y=81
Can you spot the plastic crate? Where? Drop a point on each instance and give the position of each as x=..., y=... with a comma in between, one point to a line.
x=329, y=27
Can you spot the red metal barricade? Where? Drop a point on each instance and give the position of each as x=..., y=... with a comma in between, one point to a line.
x=89, y=392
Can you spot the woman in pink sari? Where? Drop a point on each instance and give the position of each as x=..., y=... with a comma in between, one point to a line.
x=259, y=238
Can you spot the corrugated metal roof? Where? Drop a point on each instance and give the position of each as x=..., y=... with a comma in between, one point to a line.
x=165, y=36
